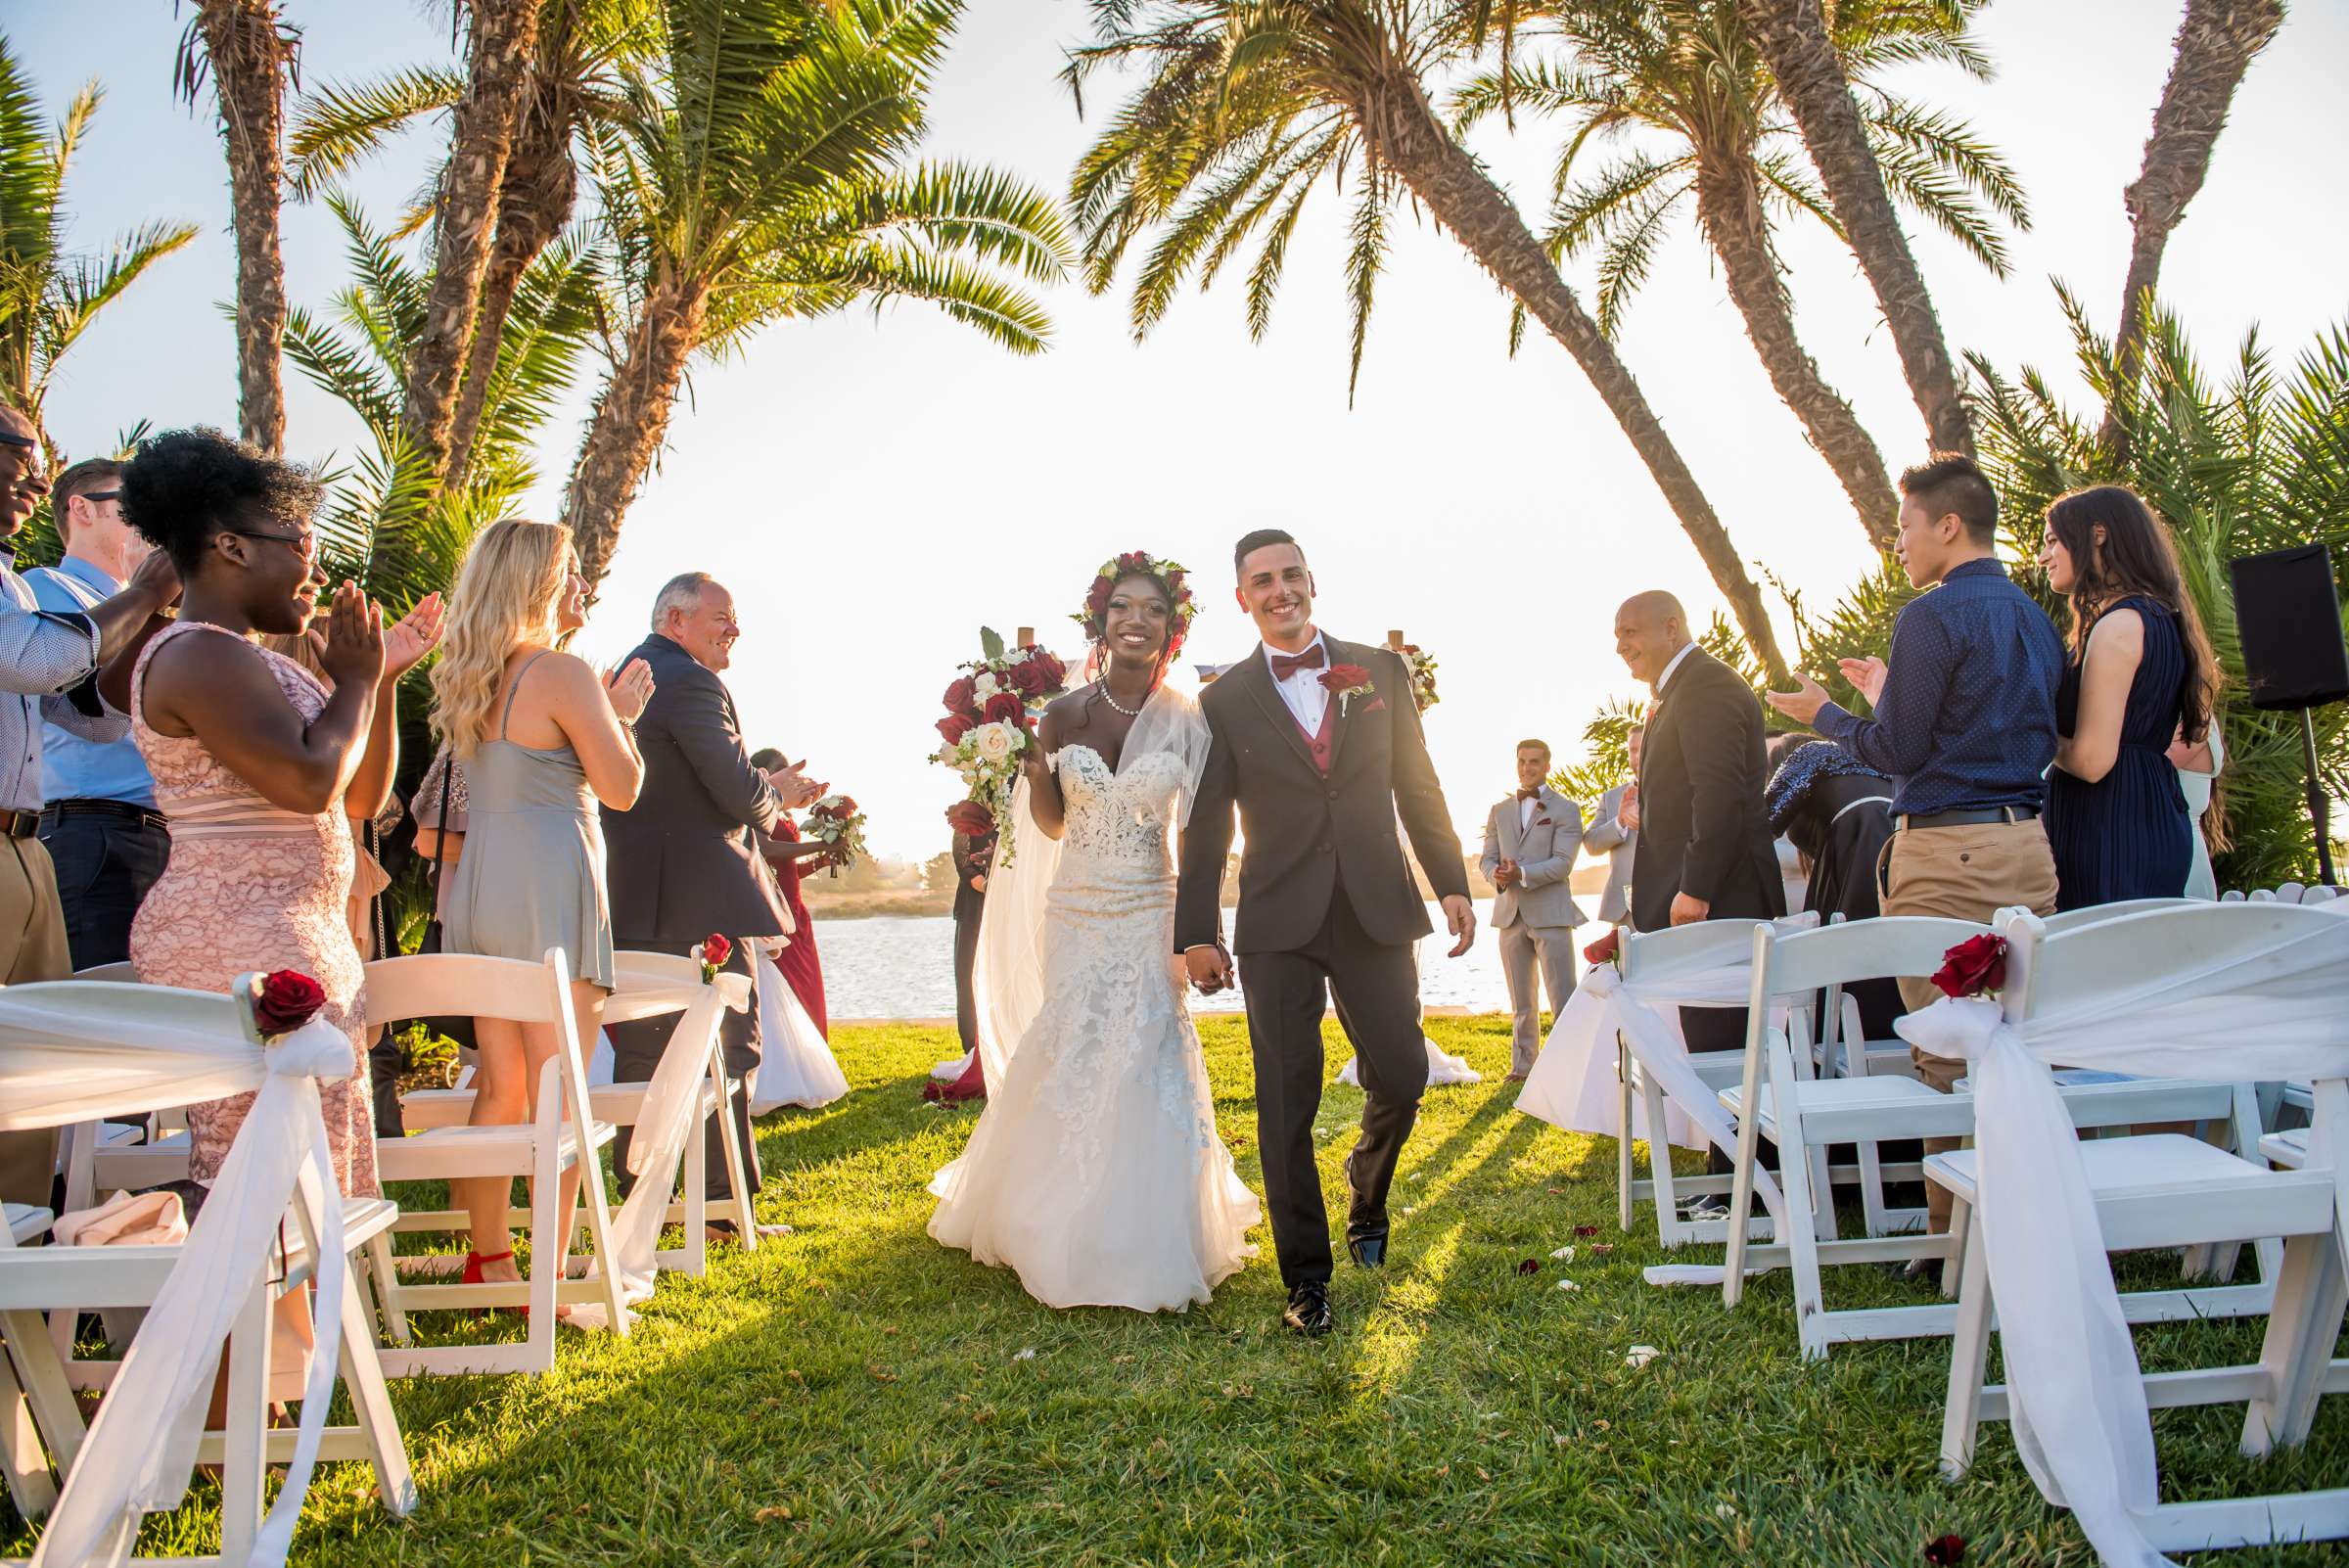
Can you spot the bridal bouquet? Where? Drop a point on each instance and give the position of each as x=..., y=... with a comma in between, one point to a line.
x=1422, y=666
x=987, y=729
x=835, y=821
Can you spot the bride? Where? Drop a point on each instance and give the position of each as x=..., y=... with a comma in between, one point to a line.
x=1095, y=1171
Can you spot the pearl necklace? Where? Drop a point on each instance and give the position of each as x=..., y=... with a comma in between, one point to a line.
x=1130, y=713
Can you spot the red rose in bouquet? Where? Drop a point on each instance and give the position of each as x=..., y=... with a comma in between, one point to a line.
x=1036, y=676
x=1976, y=965
x=963, y=696
x=954, y=726
x=839, y=811
x=288, y=999
x=970, y=818
x=1004, y=706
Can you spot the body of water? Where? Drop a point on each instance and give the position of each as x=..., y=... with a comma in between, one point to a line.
x=904, y=968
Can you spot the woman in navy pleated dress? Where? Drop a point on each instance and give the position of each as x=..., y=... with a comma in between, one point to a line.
x=2141, y=672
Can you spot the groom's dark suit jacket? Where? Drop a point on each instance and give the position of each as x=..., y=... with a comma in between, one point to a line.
x=1703, y=830
x=1306, y=834
x=681, y=861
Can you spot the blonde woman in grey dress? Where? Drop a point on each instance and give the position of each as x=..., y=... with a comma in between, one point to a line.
x=542, y=736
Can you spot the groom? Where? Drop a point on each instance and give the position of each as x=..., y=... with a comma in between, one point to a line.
x=1318, y=742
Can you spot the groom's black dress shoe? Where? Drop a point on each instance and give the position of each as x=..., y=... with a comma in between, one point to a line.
x=1367, y=1252
x=1309, y=1311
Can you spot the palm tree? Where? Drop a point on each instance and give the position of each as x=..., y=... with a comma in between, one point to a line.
x=568, y=84
x=1248, y=105
x=2215, y=45
x=49, y=296
x=756, y=170
x=1688, y=72
x=1793, y=35
x=250, y=53
x=502, y=38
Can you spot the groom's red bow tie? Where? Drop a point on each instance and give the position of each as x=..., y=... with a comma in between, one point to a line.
x=1533, y=793
x=1286, y=664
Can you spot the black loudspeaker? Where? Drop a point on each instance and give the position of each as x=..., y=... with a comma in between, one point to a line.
x=2290, y=626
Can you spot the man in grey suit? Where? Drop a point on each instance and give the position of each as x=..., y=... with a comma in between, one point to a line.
x=1530, y=843
x=1615, y=828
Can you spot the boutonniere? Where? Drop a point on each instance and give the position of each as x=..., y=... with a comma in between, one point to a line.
x=1347, y=682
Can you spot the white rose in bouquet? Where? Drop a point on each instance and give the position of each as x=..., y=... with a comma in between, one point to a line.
x=996, y=742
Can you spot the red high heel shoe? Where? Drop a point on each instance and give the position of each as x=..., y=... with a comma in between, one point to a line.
x=473, y=1275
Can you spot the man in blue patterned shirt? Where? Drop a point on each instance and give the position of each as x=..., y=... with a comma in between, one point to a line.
x=1964, y=724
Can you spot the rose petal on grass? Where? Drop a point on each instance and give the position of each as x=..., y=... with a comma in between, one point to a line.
x=1946, y=1551
x=1641, y=1354
x=1563, y=1254
x=1568, y=1284
x=1582, y=1231
x=1028, y=1355
x=1531, y=1266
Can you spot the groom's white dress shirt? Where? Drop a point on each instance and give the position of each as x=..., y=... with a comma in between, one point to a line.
x=1302, y=691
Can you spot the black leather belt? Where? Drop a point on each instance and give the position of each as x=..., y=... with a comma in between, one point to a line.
x=119, y=811
x=19, y=824
x=1998, y=813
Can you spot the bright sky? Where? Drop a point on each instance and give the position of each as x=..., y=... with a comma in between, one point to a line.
x=875, y=489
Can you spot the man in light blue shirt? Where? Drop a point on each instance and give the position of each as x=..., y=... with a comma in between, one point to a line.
x=98, y=815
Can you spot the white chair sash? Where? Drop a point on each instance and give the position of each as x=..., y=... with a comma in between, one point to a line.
x=2076, y=1393
x=154, y=1053
x=671, y=1105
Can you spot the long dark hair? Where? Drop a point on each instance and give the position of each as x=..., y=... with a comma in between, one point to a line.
x=2138, y=557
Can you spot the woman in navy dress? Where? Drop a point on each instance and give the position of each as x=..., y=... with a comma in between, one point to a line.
x=2141, y=672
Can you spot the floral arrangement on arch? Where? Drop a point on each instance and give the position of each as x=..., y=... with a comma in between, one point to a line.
x=990, y=726
x=1422, y=668
x=835, y=822
x=1093, y=617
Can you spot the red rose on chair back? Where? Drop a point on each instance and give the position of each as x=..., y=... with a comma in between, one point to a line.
x=286, y=1000
x=1974, y=967
x=714, y=953
x=1602, y=951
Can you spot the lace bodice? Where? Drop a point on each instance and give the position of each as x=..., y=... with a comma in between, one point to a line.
x=1118, y=816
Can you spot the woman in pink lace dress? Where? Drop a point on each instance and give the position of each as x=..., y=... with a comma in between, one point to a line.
x=252, y=754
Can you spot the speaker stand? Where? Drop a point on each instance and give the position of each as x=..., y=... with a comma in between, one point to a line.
x=2320, y=810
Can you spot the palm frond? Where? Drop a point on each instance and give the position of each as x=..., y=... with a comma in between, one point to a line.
x=339, y=127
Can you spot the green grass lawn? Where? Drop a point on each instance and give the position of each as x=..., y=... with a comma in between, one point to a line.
x=853, y=1394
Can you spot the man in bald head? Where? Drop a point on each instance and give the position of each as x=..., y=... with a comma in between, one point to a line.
x=1705, y=850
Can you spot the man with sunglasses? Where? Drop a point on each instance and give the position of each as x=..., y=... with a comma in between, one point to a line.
x=48, y=667
x=99, y=820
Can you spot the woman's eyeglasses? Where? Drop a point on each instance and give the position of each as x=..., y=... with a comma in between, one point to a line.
x=303, y=544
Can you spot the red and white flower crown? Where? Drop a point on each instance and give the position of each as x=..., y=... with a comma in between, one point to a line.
x=1093, y=617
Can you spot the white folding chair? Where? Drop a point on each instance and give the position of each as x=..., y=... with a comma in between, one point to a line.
x=648, y=984
x=37, y=1403
x=1677, y=950
x=1804, y=1116
x=562, y=1135
x=2166, y=1190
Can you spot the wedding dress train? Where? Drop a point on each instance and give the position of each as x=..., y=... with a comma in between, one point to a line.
x=1096, y=1171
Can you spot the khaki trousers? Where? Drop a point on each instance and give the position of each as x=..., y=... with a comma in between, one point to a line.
x=1962, y=873
x=32, y=946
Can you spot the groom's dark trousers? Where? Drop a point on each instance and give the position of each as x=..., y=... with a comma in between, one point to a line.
x=1375, y=987
x=1328, y=913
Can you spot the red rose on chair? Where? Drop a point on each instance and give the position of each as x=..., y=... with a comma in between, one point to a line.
x=287, y=999
x=1974, y=967
x=1602, y=951
x=714, y=953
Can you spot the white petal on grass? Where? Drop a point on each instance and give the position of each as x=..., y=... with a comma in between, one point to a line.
x=1640, y=1355
x=1563, y=1254
x=1568, y=1284
x=1028, y=1355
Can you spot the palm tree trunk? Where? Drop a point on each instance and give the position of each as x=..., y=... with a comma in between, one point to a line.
x=1792, y=35
x=2215, y=45
x=503, y=31
x=1413, y=143
x=252, y=54
x=632, y=418
x=1729, y=205
x=541, y=188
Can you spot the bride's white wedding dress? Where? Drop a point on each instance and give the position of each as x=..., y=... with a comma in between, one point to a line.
x=1096, y=1171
